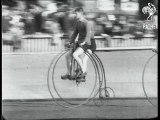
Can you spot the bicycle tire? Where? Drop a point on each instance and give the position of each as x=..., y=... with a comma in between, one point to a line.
x=100, y=83
x=70, y=105
x=49, y=69
x=143, y=86
x=98, y=65
x=104, y=77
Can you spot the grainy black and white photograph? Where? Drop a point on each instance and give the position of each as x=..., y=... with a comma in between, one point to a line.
x=79, y=59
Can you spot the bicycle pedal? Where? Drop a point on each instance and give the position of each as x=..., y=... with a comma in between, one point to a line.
x=78, y=70
x=81, y=80
x=72, y=78
x=101, y=97
x=107, y=96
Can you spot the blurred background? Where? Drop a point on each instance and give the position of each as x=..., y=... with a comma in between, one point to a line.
x=45, y=25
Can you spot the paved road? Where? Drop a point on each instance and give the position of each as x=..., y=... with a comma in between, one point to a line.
x=107, y=109
x=24, y=77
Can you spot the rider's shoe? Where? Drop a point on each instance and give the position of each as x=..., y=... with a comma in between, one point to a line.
x=78, y=72
x=81, y=79
x=64, y=77
x=82, y=75
x=73, y=77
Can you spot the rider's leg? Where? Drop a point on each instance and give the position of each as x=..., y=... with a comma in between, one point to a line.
x=85, y=60
x=68, y=61
x=79, y=51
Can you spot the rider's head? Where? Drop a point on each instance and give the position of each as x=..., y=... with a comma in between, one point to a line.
x=79, y=12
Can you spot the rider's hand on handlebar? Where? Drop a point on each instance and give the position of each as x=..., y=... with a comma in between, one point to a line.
x=155, y=50
x=68, y=44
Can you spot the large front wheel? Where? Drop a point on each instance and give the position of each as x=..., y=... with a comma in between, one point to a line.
x=150, y=80
x=66, y=92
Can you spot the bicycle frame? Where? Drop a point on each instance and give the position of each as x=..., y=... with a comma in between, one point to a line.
x=99, y=72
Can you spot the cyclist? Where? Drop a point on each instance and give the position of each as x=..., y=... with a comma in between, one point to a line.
x=86, y=41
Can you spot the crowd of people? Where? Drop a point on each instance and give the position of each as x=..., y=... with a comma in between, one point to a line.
x=57, y=19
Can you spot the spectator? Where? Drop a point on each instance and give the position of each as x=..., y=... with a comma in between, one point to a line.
x=52, y=27
x=17, y=29
x=138, y=29
x=17, y=21
x=51, y=7
x=13, y=34
x=155, y=18
x=63, y=18
x=116, y=29
x=38, y=19
x=66, y=21
x=28, y=20
x=6, y=18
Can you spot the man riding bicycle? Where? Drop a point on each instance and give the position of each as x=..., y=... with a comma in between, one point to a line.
x=86, y=42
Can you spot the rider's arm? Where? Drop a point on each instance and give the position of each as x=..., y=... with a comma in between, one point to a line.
x=88, y=33
x=74, y=35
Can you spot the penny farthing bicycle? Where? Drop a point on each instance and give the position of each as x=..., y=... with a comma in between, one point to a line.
x=76, y=92
x=150, y=79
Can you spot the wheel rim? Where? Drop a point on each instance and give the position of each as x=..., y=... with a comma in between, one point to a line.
x=68, y=103
x=143, y=85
